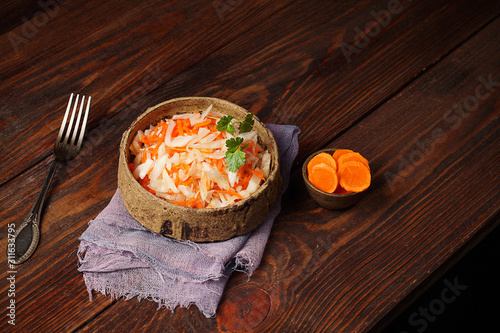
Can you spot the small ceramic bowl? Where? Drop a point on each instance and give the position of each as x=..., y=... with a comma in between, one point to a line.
x=331, y=201
x=196, y=224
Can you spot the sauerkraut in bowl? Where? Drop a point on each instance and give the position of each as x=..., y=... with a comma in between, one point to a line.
x=200, y=159
x=214, y=169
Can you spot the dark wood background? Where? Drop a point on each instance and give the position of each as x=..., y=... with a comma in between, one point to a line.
x=412, y=85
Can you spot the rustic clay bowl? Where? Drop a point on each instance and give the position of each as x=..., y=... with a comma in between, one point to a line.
x=197, y=225
x=331, y=201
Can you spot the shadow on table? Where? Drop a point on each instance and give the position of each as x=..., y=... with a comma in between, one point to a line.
x=465, y=299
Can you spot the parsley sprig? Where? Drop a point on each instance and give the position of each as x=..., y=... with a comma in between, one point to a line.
x=235, y=157
x=225, y=124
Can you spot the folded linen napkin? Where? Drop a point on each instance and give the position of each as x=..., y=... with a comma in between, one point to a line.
x=121, y=258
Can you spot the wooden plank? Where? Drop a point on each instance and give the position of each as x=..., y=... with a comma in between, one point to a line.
x=321, y=267
x=117, y=61
x=338, y=271
x=87, y=181
x=91, y=185
x=16, y=13
x=292, y=77
x=48, y=284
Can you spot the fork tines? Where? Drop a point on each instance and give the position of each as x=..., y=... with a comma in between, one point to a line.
x=77, y=130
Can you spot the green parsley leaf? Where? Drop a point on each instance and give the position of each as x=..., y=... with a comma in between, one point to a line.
x=235, y=157
x=247, y=124
x=235, y=160
x=225, y=124
x=233, y=144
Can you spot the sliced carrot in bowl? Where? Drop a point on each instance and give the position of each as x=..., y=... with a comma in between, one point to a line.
x=352, y=157
x=323, y=177
x=339, y=152
x=354, y=176
x=321, y=158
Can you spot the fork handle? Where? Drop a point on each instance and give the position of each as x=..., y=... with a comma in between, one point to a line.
x=27, y=234
x=38, y=206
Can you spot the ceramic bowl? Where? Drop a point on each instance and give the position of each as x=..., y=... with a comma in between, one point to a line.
x=331, y=201
x=195, y=224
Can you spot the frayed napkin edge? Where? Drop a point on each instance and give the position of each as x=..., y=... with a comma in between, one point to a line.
x=106, y=290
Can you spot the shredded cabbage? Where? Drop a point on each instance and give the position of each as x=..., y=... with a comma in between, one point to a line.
x=181, y=160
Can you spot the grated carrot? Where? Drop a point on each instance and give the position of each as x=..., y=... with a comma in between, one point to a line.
x=244, y=181
x=145, y=182
x=144, y=156
x=204, y=169
x=180, y=128
x=154, y=151
x=187, y=126
x=258, y=173
x=144, y=139
x=202, y=124
x=236, y=194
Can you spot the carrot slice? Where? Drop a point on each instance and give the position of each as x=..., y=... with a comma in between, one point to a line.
x=340, y=152
x=352, y=157
x=354, y=176
x=321, y=158
x=324, y=177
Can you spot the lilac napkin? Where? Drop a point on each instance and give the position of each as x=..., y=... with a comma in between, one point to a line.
x=121, y=258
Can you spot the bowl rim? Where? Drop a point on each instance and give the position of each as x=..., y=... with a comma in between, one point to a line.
x=314, y=188
x=275, y=171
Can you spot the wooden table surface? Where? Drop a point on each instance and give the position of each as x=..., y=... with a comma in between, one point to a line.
x=412, y=85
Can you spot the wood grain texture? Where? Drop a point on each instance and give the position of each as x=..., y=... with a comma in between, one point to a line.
x=118, y=61
x=406, y=101
x=440, y=200
x=293, y=76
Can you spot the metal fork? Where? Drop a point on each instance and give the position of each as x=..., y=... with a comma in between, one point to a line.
x=66, y=147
